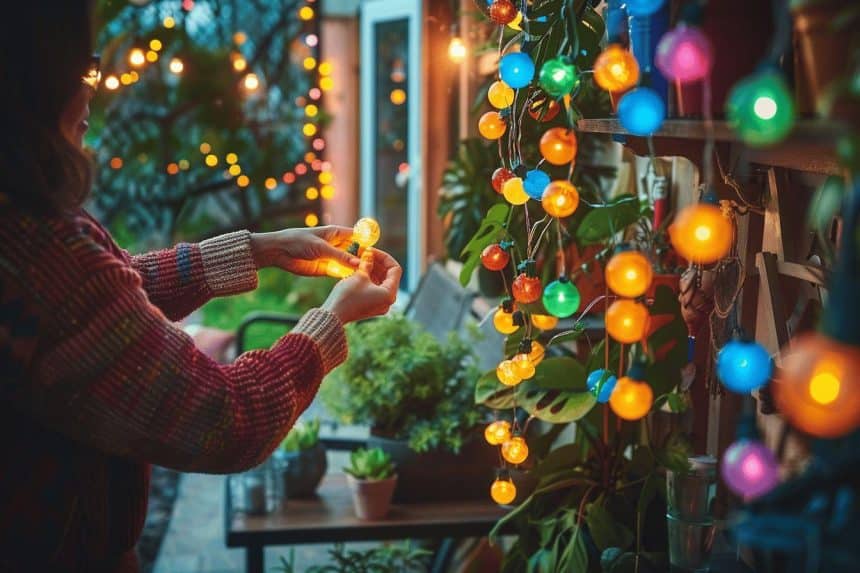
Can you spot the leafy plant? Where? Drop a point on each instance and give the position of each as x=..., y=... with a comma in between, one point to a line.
x=370, y=464
x=392, y=558
x=302, y=437
x=405, y=384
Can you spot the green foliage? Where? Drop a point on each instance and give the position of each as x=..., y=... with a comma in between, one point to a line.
x=391, y=558
x=405, y=384
x=370, y=464
x=490, y=231
x=604, y=221
x=302, y=437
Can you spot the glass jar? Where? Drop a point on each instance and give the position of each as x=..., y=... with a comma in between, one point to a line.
x=260, y=490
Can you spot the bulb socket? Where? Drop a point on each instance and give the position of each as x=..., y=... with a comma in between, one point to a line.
x=525, y=346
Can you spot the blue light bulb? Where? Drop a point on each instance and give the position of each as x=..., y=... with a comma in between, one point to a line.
x=744, y=366
x=535, y=183
x=601, y=383
x=517, y=69
x=643, y=7
x=641, y=111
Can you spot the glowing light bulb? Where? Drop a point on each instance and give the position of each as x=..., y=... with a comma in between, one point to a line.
x=515, y=450
x=684, y=54
x=643, y=7
x=561, y=298
x=211, y=160
x=366, y=232
x=398, y=96
x=760, y=109
x=176, y=66
x=168, y=22
x=457, y=50
x=494, y=257
x=743, y=366
x=239, y=63
x=560, y=199
x=627, y=321
x=526, y=289
x=701, y=233
x=251, y=82
x=136, y=57
x=517, y=69
x=501, y=95
x=516, y=23
x=111, y=82
x=629, y=274
x=544, y=321
x=558, y=77
x=558, y=145
x=500, y=177
x=514, y=191
x=503, y=12
x=491, y=125
x=601, y=383
x=497, y=433
x=507, y=373
x=616, y=69
x=504, y=322
x=337, y=270
x=631, y=399
x=523, y=366
x=749, y=468
x=538, y=353
x=306, y=13
x=535, y=183
x=503, y=491
x=641, y=111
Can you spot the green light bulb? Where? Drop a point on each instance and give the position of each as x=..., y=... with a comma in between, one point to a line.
x=561, y=298
x=558, y=78
x=760, y=109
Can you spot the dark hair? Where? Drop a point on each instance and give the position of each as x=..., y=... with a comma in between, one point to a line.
x=45, y=48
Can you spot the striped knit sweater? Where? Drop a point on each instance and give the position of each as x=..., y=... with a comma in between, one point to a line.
x=97, y=382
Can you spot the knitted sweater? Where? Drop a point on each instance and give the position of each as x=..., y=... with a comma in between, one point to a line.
x=97, y=382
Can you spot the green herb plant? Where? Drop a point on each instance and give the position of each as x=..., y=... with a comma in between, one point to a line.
x=370, y=464
x=302, y=437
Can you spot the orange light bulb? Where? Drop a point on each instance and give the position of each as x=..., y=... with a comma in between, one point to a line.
x=491, y=125
x=629, y=274
x=515, y=450
x=538, y=352
x=497, y=433
x=494, y=257
x=507, y=373
x=627, y=321
x=701, y=233
x=558, y=145
x=504, y=322
x=514, y=191
x=526, y=289
x=337, y=270
x=616, y=69
x=560, y=199
x=523, y=366
x=631, y=399
x=503, y=492
x=544, y=322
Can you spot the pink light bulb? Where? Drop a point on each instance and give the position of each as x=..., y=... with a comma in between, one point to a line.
x=684, y=54
x=750, y=469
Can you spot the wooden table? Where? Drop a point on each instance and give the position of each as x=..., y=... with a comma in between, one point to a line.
x=329, y=518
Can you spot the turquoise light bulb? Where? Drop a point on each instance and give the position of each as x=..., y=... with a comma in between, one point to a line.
x=558, y=77
x=760, y=108
x=744, y=366
x=641, y=111
x=561, y=298
x=535, y=183
x=643, y=7
x=601, y=383
x=517, y=69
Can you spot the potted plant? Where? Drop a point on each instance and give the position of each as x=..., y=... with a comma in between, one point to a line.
x=305, y=457
x=371, y=480
x=415, y=393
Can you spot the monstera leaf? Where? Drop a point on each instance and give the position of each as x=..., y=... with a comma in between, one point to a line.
x=603, y=221
x=491, y=230
x=492, y=394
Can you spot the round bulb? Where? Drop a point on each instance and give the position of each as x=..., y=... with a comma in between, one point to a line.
x=517, y=69
x=616, y=69
x=497, y=433
x=538, y=353
x=743, y=366
x=535, y=183
x=601, y=383
x=504, y=322
x=560, y=199
x=627, y=321
x=491, y=125
x=503, y=492
x=701, y=233
x=514, y=191
x=629, y=274
x=558, y=78
x=684, y=54
x=760, y=109
x=457, y=50
x=515, y=450
x=500, y=177
x=643, y=7
x=558, y=145
x=818, y=389
x=501, y=95
x=494, y=257
x=507, y=373
x=366, y=232
x=523, y=366
x=503, y=12
x=561, y=298
x=526, y=289
x=749, y=468
x=641, y=111
x=631, y=399
x=544, y=321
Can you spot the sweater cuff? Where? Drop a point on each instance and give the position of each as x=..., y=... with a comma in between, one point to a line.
x=228, y=263
x=326, y=330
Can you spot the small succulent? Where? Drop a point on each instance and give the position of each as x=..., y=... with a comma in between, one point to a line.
x=302, y=437
x=370, y=464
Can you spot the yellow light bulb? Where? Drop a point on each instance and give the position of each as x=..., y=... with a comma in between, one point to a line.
x=514, y=191
x=497, y=433
x=537, y=354
x=327, y=192
x=111, y=82
x=515, y=450
x=211, y=160
x=239, y=64
x=309, y=130
x=337, y=270
x=366, y=232
x=169, y=22
x=271, y=183
x=176, y=66
x=504, y=322
x=312, y=193
x=326, y=178
x=234, y=170
x=231, y=158
x=311, y=110
x=309, y=63
x=523, y=366
x=311, y=220
x=503, y=492
x=544, y=322
x=516, y=23
x=507, y=373
x=243, y=181
x=326, y=84
x=325, y=68
x=155, y=44
x=151, y=56
x=501, y=95
x=398, y=96
x=251, y=82
x=457, y=50
x=306, y=13
x=136, y=57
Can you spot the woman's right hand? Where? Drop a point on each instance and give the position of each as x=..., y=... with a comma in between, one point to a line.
x=368, y=292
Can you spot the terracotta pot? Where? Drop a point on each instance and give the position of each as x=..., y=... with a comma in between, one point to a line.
x=371, y=498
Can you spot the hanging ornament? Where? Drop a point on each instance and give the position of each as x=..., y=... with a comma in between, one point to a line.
x=538, y=352
x=601, y=383
x=515, y=451
x=627, y=321
x=498, y=432
x=544, y=321
x=561, y=298
x=560, y=199
x=760, y=109
x=632, y=398
x=616, y=69
x=500, y=176
x=684, y=54
x=514, y=191
x=642, y=8
x=517, y=69
x=516, y=23
x=526, y=289
x=749, y=468
x=503, y=320
x=629, y=273
x=495, y=257
x=501, y=95
x=365, y=234
x=701, y=233
x=744, y=366
x=491, y=125
x=558, y=77
x=507, y=373
x=558, y=145
x=542, y=108
x=535, y=183
x=641, y=111
x=523, y=366
x=503, y=491
x=503, y=12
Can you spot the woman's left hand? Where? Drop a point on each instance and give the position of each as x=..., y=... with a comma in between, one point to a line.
x=304, y=252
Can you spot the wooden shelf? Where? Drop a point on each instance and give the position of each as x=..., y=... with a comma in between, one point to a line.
x=810, y=147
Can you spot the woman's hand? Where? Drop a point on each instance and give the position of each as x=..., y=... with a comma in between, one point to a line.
x=303, y=251
x=370, y=291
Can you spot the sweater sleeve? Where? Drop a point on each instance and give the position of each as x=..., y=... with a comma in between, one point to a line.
x=182, y=279
x=112, y=372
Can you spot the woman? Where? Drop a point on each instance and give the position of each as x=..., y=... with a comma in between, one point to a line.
x=97, y=382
